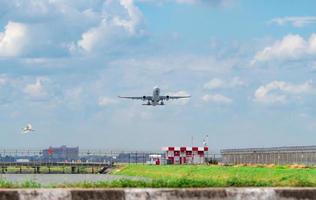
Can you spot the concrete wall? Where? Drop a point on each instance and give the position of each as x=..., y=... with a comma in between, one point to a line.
x=160, y=194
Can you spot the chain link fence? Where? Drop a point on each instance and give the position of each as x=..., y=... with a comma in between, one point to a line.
x=277, y=155
x=89, y=155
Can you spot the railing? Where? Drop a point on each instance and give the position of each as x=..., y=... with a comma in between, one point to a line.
x=270, y=149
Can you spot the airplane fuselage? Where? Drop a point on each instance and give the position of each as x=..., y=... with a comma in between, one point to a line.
x=156, y=96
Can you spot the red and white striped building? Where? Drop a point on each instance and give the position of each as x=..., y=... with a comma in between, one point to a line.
x=185, y=155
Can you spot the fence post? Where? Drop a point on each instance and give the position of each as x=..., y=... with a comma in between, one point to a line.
x=136, y=157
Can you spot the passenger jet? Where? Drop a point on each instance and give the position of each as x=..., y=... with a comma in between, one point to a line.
x=155, y=99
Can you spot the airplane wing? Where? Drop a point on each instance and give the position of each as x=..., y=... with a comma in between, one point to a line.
x=138, y=98
x=173, y=97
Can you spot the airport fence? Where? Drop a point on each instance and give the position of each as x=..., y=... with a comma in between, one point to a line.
x=275, y=155
x=88, y=155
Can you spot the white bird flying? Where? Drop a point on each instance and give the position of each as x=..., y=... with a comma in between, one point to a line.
x=27, y=129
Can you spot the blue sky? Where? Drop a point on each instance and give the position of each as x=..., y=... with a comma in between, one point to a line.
x=250, y=67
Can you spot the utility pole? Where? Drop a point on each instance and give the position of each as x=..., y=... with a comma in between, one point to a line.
x=205, y=144
x=205, y=141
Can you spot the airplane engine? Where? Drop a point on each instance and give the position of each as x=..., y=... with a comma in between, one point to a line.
x=144, y=98
x=167, y=97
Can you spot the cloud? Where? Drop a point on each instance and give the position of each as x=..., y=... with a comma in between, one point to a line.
x=3, y=80
x=217, y=98
x=116, y=26
x=294, y=21
x=282, y=89
x=220, y=3
x=105, y=101
x=187, y=1
x=213, y=3
x=169, y=63
x=14, y=39
x=108, y=25
x=50, y=11
x=91, y=38
x=134, y=17
x=73, y=98
x=35, y=89
x=180, y=101
x=291, y=47
x=217, y=83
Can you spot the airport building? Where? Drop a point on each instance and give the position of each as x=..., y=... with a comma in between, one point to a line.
x=185, y=155
x=61, y=154
x=275, y=155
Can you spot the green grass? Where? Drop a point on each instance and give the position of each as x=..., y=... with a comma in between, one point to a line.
x=185, y=176
x=221, y=176
x=25, y=184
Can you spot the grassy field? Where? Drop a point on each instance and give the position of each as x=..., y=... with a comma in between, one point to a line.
x=222, y=176
x=173, y=176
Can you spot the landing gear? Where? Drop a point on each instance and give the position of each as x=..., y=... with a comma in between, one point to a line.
x=162, y=103
x=148, y=103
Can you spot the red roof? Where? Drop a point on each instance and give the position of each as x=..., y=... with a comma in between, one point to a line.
x=50, y=151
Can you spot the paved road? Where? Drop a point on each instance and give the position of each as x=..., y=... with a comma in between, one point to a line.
x=46, y=179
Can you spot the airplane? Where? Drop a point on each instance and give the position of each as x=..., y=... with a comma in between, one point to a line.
x=155, y=99
x=27, y=129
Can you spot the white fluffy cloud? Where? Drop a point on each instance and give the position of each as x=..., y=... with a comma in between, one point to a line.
x=105, y=101
x=217, y=98
x=134, y=17
x=294, y=21
x=14, y=39
x=35, y=89
x=217, y=83
x=282, y=90
x=113, y=28
x=290, y=47
x=103, y=24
